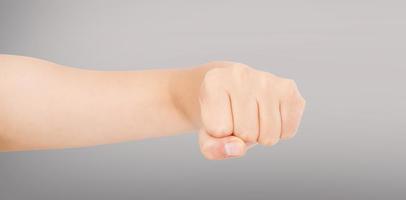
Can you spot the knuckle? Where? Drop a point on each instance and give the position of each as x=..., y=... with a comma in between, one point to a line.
x=240, y=66
x=291, y=85
x=242, y=75
x=228, y=64
x=298, y=102
x=220, y=63
x=242, y=69
x=212, y=74
x=212, y=80
x=264, y=82
x=210, y=91
x=237, y=68
x=288, y=88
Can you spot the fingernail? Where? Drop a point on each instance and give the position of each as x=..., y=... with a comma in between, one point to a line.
x=232, y=149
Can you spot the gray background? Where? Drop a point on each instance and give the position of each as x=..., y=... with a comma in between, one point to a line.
x=348, y=58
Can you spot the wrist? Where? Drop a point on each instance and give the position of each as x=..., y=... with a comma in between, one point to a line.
x=185, y=89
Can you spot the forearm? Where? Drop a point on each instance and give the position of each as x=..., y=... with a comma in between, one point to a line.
x=45, y=105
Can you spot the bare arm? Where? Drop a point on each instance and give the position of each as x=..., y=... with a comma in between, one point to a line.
x=44, y=105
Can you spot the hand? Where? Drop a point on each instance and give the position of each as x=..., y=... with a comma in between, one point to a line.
x=241, y=106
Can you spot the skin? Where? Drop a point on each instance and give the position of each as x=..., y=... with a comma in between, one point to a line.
x=44, y=105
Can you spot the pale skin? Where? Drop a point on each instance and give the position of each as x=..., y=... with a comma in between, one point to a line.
x=232, y=106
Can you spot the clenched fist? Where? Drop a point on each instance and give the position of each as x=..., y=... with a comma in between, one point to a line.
x=241, y=106
x=45, y=105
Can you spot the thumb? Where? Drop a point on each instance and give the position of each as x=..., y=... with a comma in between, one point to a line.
x=214, y=148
